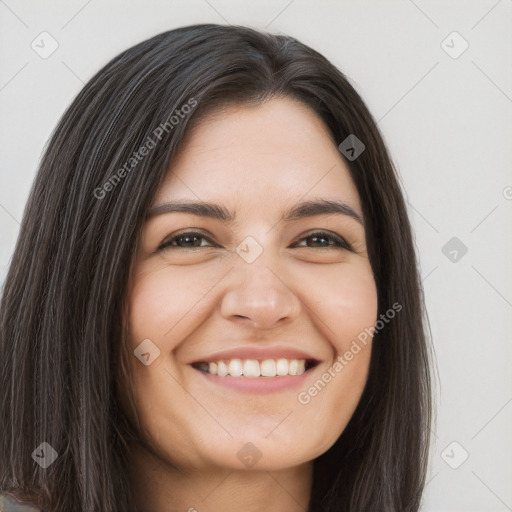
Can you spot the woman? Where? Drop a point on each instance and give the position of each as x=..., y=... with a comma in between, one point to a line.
x=214, y=302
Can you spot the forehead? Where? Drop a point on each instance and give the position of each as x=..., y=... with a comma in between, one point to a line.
x=270, y=154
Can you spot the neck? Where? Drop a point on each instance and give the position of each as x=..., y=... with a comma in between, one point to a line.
x=160, y=487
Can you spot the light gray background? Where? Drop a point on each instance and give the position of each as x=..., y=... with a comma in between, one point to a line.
x=447, y=122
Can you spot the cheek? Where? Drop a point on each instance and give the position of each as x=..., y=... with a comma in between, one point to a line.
x=349, y=310
x=161, y=301
x=346, y=303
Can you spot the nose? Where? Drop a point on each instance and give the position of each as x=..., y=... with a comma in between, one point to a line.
x=259, y=296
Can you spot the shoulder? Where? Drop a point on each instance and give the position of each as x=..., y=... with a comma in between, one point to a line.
x=9, y=503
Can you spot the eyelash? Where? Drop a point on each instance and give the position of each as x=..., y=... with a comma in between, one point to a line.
x=331, y=237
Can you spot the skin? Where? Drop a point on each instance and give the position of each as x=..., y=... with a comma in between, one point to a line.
x=194, y=301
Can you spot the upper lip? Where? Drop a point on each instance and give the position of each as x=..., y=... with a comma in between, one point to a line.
x=258, y=353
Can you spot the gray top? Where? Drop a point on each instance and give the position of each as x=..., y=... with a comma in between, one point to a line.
x=10, y=503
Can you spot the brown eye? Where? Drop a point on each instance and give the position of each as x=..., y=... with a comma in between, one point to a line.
x=324, y=239
x=186, y=240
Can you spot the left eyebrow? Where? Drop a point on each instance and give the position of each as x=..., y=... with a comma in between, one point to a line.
x=297, y=211
x=321, y=207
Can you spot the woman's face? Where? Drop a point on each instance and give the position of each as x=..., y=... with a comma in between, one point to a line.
x=259, y=291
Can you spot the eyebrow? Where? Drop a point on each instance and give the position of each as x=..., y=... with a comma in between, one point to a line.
x=297, y=211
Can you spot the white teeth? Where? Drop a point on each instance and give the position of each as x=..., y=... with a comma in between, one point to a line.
x=268, y=368
x=222, y=369
x=296, y=367
x=253, y=368
x=235, y=367
x=282, y=367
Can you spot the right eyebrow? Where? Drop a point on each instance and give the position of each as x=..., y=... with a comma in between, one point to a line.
x=212, y=210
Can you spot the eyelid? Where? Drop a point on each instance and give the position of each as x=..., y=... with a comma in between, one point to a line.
x=342, y=243
x=189, y=231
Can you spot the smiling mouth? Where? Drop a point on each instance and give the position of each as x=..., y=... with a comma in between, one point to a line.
x=252, y=368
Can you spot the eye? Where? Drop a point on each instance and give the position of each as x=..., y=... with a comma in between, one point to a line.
x=192, y=240
x=185, y=240
x=327, y=239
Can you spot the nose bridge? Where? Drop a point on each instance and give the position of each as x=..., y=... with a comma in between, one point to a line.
x=258, y=291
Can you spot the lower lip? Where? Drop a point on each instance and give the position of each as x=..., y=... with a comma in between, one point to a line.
x=259, y=384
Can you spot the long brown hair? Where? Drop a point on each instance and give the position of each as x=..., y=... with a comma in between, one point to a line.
x=63, y=303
